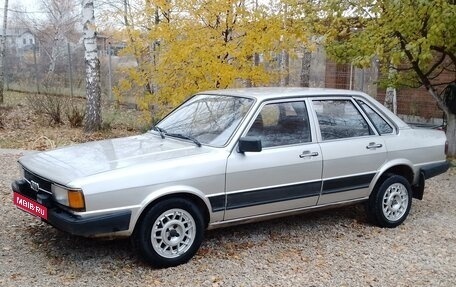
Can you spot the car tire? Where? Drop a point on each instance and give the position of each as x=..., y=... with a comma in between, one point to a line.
x=170, y=233
x=390, y=202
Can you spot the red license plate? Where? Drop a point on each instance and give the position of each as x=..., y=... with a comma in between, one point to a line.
x=30, y=205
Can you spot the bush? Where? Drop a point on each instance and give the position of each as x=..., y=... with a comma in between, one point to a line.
x=75, y=116
x=4, y=110
x=2, y=118
x=49, y=105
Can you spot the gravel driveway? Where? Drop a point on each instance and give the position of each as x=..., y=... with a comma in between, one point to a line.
x=332, y=248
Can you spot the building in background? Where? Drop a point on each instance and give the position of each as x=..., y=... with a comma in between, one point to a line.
x=20, y=40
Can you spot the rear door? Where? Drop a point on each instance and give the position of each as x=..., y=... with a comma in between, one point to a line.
x=286, y=174
x=353, y=150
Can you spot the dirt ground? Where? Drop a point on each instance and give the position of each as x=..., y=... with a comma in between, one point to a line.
x=332, y=248
x=25, y=127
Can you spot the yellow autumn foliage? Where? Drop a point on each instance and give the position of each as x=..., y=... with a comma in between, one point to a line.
x=185, y=46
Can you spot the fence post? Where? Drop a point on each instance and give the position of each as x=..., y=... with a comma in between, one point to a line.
x=6, y=78
x=351, y=77
x=70, y=66
x=109, y=73
x=36, y=69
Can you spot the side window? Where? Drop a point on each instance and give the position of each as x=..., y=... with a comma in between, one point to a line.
x=282, y=124
x=382, y=126
x=340, y=119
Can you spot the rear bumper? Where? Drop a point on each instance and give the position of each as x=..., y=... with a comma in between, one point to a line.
x=426, y=172
x=434, y=169
x=74, y=224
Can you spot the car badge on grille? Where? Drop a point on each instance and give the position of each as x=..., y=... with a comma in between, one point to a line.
x=34, y=185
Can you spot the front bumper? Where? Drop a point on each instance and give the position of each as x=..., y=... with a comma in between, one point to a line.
x=74, y=224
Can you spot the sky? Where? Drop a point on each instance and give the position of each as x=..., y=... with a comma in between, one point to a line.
x=31, y=6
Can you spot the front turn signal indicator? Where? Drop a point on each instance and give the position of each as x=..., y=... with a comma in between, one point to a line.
x=76, y=199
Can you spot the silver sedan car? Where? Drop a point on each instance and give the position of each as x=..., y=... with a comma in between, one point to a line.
x=228, y=157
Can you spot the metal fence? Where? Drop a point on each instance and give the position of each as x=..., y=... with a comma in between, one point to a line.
x=32, y=71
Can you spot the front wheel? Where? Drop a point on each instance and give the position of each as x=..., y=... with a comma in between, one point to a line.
x=170, y=233
x=390, y=202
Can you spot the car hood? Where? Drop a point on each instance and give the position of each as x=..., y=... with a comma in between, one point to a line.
x=66, y=164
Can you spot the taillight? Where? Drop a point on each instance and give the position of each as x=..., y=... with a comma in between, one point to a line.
x=446, y=148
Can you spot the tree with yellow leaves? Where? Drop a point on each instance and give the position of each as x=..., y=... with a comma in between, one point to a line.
x=414, y=41
x=194, y=45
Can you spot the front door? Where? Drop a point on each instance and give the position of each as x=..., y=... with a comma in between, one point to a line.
x=286, y=174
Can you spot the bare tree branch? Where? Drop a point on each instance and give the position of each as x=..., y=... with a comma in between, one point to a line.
x=421, y=76
x=436, y=64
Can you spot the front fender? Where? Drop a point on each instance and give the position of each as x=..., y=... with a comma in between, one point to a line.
x=167, y=191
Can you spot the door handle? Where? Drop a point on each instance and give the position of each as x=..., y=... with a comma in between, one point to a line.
x=373, y=145
x=308, y=153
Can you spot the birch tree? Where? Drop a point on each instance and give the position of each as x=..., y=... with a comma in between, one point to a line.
x=92, y=64
x=3, y=50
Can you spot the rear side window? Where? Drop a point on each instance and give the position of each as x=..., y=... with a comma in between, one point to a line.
x=380, y=124
x=340, y=119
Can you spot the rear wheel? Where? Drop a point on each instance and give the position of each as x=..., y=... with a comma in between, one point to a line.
x=390, y=202
x=170, y=233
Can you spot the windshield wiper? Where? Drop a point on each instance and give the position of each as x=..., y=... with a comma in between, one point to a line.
x=160, y=130
x=182, y=136
x=186, y=137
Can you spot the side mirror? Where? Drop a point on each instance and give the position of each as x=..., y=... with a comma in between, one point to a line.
x=250, y=144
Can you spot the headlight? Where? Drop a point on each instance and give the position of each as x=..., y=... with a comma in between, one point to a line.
x=73, y=198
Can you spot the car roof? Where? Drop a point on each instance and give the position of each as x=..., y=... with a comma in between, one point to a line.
x=262, y=93
x=265, y=93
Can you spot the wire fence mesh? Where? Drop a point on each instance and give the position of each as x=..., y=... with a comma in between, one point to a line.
x=30, y=70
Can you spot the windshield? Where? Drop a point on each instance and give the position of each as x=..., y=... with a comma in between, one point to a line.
x=210, y=119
